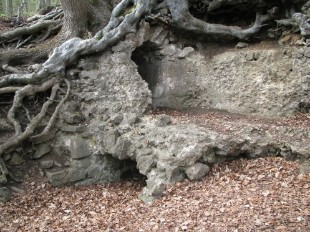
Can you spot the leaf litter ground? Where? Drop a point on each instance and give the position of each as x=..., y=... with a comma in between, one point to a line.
x=265, y=194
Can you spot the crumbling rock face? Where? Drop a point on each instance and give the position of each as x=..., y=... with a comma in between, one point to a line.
x=268, y=83
x=104, y=124
x=171, y=153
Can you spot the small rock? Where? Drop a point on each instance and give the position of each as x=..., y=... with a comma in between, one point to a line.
x=67, y=163
x=3, y=179
x=130, y=118
x=73, y=129
x=169, y=50
x=16, y=160
x=77, y=175
x=19, y=150
x=301, y=42
x=18, y=190
x=79, y=148
x=41, y=150
x=185, y=52
x=4, y=194
x=73, y=118
x=145, y=163
x=57, y=164
x=116, y=119
x=307, y=53
x=7, y=157
x=47, y=164
x=57, y=178
x=241, y=45
x=197, y=171
x=210, y=158
x=5, y=126
x=163, y=120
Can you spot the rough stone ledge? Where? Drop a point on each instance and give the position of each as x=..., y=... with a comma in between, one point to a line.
x=171, y=153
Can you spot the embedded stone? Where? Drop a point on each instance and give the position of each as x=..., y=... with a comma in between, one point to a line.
x=163, y=120
x=197, y=171
x=79, y=148
x=41, y=150
x=3, y=179
x=16, y=160
x=4, y=194
x=57, y=178
x=47, y=164
x=241, y=45
x=169, y=50
x=185, y=52
x=5, y=126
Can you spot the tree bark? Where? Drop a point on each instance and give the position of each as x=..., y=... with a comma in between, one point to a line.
x=84, y=17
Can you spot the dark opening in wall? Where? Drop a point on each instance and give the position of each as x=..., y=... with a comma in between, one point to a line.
x=147, y=62
x=130, y=171
x=304, y=107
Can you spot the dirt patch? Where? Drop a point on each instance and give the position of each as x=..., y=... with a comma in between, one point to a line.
x=213, y=49
x=5, y=24
x=205, y=117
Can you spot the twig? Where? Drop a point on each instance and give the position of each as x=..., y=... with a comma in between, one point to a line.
x=24, y=42
x=27, y=113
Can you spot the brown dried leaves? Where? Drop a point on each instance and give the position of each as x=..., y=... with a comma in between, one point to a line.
x=266, y=194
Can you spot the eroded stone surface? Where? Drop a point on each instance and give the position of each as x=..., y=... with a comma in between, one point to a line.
x=113, y=99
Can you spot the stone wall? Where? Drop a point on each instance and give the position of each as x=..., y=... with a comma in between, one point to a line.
x=104, y=124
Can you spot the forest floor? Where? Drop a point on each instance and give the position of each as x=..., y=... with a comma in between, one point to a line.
x=265, y=194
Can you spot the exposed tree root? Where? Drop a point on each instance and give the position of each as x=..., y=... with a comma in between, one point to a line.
x=56, y=13
x=54, y=116
x=10, y=89
x=29, y=30
x=182, y=19
x=11, y=69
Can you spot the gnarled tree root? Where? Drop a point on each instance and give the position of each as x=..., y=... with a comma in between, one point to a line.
x=32, y=29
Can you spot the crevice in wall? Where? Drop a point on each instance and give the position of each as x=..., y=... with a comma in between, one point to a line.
x=147, y=61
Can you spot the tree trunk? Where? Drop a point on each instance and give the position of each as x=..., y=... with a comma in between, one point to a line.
x=84, y=17
x=1, y=8
x=81, y=19
x=9, y=7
